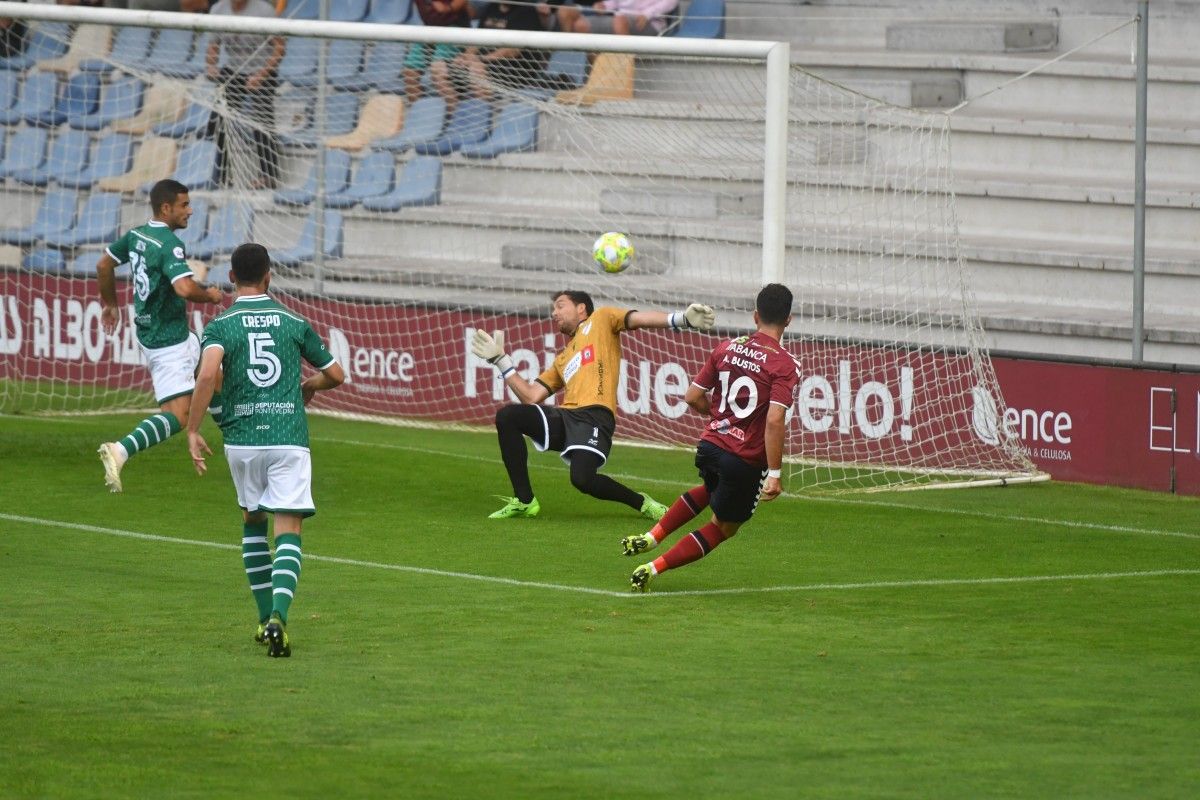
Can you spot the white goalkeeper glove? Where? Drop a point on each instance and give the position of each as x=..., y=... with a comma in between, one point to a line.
x=491, y=349
x=697, y=316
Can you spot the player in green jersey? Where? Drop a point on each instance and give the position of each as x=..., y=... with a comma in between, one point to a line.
x=258, y=345
x=162, y=283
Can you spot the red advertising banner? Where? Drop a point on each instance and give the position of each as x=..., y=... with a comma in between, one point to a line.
x=1098, y=424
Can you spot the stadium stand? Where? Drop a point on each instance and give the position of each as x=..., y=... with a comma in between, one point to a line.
x=110, y=156
x=382, y=118
x=382, y=70
x=420, y=184
x=155, y=156
x=470, y=123
x=120, y=99
x=348, y=10
x=26, y=151
x=374, y=177
x=341, y=116
x=197, y=225
x=97, y=224
x=194, y=121
x=515, y=131
x=704, y=19
x=196, y=167
x=337, y=178
x=423, y=123
x=87, y=41
x=299, y=64
x=68, y=156
x=390, y=12
x=36, y=99
x=55, y=215
x=304, y=250
x=164, y=103
x=228, y=227
x=129, y=46
x=48, y=41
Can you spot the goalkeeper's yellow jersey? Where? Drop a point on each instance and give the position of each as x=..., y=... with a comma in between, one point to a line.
x=590, y=366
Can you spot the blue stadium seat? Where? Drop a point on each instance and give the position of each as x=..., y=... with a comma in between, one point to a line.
x=26, y=151
x=470, y=123
x=85, y=263
x=197, y=165
x=197, y=225
x=337, y=178
x=44, y=260
x=130, y=46
x=345, y=60
x=341, y=115
x=515, y=132
x=704, y=19
x=420, y=184
x=348, y=10
x=194, y=120
x=79, y=97
x=194, y=64
x=121, y=99
x=390, y=12
x=171, y=52
x=54, y=216
x=570, y=64
x=110, y=156
x=68, y=156
x=47, y=40
x=299, y=64
x=10, y=84
x=383, y=70
x=99, y=222
x=305, y=248
x=373, y=178
x=303, y=9
x=227, y=228
x=199, y=61
x=37, y=96
x=423, y=123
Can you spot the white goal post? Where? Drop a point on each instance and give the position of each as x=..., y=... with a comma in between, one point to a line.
x=403, y=220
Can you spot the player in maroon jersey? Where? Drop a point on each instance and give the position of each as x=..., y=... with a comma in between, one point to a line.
x=745, y=389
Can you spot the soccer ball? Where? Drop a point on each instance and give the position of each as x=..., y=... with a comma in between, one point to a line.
x=613, y=252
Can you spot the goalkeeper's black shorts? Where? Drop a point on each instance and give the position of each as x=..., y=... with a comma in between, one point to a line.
x=570, y=429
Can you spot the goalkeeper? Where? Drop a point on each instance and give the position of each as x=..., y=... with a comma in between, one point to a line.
x=581, y=427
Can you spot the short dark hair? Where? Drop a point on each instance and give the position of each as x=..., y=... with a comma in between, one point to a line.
x=577, y=298
x=164, y=193
x=250, y=263
x=774, y=304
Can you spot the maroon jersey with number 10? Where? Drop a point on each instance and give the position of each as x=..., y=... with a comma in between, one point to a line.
x=745, y=376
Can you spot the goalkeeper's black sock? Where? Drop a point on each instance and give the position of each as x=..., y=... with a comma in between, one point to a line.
x=511, y=424
x=585, y=478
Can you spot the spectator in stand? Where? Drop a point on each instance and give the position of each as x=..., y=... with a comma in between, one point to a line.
x=249, y=79
x=153, y=5
x=510, y=66
x=627, y=17
x=560, y=15
x=12, y=37
x=435, y=57
x=86, y=3
x=194, y=6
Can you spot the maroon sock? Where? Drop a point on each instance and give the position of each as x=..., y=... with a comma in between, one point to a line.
x=681, y=512
x=693, y=547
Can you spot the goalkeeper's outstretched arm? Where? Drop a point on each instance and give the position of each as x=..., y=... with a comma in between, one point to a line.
x=491, y=348
x=697, y=316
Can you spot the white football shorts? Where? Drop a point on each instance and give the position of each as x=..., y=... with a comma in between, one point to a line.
x=173, y=369
x=272, y=478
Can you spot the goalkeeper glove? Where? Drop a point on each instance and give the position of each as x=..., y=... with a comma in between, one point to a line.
x=697, y=316
x=491, y=349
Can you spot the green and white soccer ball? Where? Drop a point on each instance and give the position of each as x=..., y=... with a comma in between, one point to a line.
x=613, y=252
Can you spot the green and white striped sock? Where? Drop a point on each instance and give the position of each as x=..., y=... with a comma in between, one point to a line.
x=256, y=557
x=151, y=431
x=285, y=573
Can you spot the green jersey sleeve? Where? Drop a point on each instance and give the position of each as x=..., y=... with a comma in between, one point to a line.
x=174, y=261
x=314, y=350
x=119, y=250
x=212, y=337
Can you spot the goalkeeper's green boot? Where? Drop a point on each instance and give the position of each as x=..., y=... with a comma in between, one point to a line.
x=515, y=508
x=261, y=636
x=632, y=545
x=640, y=579
x=652, y=509
x=278, y=645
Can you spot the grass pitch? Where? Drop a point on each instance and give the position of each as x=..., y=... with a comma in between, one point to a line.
x=1035, y=641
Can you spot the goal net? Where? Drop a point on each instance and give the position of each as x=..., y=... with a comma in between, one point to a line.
x=409, y=199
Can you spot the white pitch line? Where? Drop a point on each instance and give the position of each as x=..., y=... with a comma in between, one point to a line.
x=558, y=587
x=1064, y=523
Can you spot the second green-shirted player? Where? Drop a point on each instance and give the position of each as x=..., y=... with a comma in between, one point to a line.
x=257, y=345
